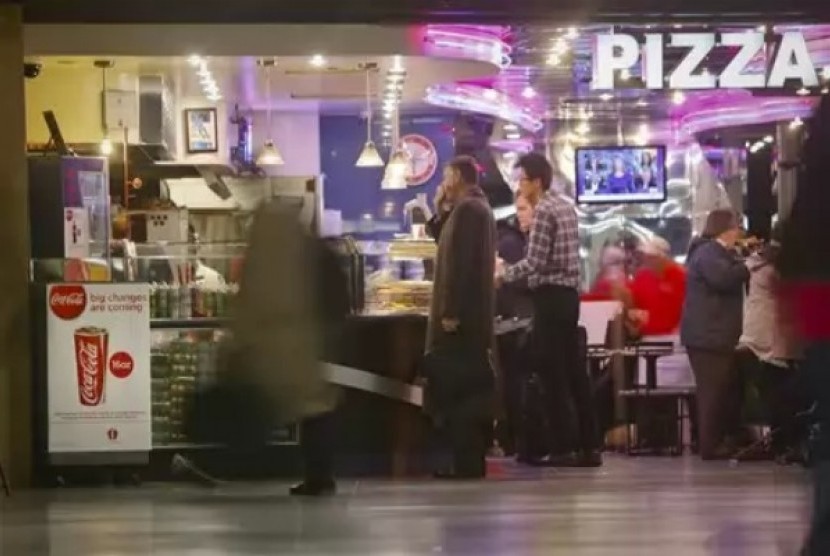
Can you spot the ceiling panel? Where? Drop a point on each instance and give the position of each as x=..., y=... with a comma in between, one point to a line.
x=295, y=84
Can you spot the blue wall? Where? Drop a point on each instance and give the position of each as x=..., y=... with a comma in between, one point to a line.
x=356, y=191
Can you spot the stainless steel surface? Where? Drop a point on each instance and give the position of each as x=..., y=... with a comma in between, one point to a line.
x=637, y=507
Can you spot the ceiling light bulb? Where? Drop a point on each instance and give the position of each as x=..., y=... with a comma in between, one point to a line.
x=491, y=94
x=106, y=147
x=803, y=92
x=796, y=123
x=573, y=33
x=317, y=61
x=625, y=74
x=583, y=128
x=642, y=102
x=825, y=90
x=510, y=127
x=769, y=139
x=529, y=92
x=606, y=97
x=397, y=64
x=194, y=60
x=203, y=69
x=554, y=60
x=560, y=47
x=678, y=98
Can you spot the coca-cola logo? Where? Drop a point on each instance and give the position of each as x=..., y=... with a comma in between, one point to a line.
x=121, y=364
x=67, y=302
x=112, y=434
x=88, y=358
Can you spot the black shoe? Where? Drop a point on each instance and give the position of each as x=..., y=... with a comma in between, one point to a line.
x=591, y=458
x=314, y=488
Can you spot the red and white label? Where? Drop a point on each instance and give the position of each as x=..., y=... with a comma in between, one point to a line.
x=121, y=364
x=68, y=302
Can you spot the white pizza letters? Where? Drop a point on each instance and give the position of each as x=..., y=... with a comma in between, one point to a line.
x=616, y=52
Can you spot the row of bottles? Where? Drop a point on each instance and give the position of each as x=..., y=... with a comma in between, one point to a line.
x=175, y=301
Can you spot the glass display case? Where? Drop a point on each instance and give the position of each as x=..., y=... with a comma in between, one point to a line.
x=401, y=278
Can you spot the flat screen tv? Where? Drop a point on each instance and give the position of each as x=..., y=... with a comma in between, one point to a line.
x=624, y=174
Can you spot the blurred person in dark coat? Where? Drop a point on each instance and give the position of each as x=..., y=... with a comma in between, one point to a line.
x=288, y=317
x=460, y=329
x=804, y=268
x=710, y=328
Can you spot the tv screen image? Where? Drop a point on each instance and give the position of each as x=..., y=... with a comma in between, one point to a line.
x=621, y=175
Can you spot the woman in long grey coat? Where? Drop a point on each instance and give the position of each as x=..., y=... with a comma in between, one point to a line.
x=710, y=329
x=460, y=331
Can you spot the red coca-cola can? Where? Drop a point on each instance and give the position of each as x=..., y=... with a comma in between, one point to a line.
x=91, y=349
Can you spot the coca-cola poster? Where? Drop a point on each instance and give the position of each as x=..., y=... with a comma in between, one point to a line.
x=99, y=368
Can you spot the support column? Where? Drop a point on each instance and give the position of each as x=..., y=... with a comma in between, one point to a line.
x=15, y=364
x=759, y=201
x=789, y=157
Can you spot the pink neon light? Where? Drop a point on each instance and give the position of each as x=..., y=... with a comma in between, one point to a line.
x=473, y=98
x=470, y=42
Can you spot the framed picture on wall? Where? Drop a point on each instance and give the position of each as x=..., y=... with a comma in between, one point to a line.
x=201, y=130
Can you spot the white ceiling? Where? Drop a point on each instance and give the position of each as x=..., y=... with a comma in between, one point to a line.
x=295, y=84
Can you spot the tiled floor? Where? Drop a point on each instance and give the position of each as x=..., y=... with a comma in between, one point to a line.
x=639, y=507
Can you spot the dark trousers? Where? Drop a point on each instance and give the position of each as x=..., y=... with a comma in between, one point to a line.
x=511, y=349
x=555, y=347
x=316, y=443
x=718, y=397
x=817, y=373
x=782, y=392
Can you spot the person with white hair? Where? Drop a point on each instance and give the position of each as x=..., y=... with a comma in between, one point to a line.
x=657, y=292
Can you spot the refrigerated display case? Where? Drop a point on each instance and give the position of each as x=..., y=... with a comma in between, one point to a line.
x=402, y=281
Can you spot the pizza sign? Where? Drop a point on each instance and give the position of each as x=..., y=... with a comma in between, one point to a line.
x=423, y=159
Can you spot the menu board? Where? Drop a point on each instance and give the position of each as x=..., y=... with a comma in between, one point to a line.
x=98, y=356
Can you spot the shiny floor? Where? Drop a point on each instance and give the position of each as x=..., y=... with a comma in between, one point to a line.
x=641, y=507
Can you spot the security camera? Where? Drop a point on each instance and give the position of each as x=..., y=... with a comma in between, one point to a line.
x=31, y=70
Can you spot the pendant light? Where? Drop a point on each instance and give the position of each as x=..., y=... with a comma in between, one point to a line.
x=269, y=155
x=369, y=156
x=106, y=145
x=394, y=176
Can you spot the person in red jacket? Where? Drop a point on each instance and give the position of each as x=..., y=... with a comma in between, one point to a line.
x=657, y=292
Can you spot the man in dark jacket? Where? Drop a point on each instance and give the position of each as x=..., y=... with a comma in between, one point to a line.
x=711, y=327
x=460, y=331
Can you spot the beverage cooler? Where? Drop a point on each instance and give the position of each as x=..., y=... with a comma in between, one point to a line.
x=116, y=364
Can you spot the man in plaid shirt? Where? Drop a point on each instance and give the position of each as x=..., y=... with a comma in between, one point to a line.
x=552, y=269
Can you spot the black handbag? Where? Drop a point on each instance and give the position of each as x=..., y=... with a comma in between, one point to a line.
x=453, y=372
